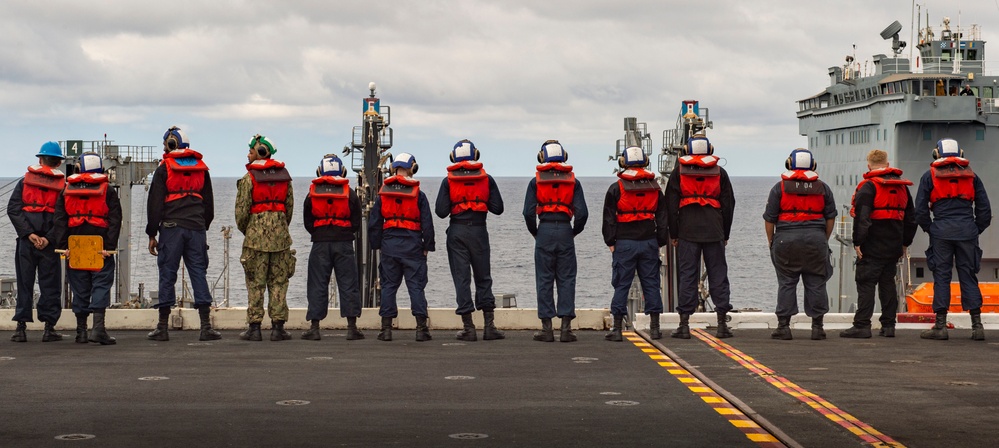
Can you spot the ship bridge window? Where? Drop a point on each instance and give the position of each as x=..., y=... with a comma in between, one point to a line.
x=927, y=135
x=980, y=134
x=971, y=55
x=986, y=92
x=945, y=56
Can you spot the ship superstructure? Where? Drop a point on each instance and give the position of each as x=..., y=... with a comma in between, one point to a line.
x=904, y=107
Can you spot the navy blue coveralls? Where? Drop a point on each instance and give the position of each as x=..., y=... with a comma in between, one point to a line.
x=555, y=251
x=636, y=248
x=332, y=251
x=91, y=289
x=953, y=228
x=182, y=225
x=701, y=230
x=468, y=247
x=28, y=261
x=402, y=255
x=800, y=249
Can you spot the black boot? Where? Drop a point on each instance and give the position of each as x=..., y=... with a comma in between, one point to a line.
x=683, y=330
x=20, y=333
x=939, y=330
x=615, y=332
x=386, y=333
x=654, y=331
x=723, y=330
x=977, y=329
x=422, y=331
x=100, y=335
x=857, y=332
x=546, y=334
x=489, y=331
x=277, y=331
x=352, y=332
x=161, y=333
x=467, y=332
x=888, y=332
x=818, y=333
x=50, y=334
x=565, y=332
x=81, y=328
x=312, y=334
x=783, y=330
x=207, y=332
x=252, y=333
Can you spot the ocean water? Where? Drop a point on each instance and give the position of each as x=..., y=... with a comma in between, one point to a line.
x=750, y=272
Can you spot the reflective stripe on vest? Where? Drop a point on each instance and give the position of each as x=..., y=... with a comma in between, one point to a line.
x=86, y=199
x=400, y=203
x=330, y=201
x=555, y=187
x=468, y=185
x=41, y=189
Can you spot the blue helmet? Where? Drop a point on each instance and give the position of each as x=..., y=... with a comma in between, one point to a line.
x=50, y=149
x=947, y=147
x=174, y=138
x=464, y=150
x=332, y=166
x=800, y=159
x=633, y=156
x=90, y=162
x=552, y=151
x=405, y=160
x=698, y=145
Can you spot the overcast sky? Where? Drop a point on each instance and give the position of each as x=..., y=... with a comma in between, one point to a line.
x=506, y=74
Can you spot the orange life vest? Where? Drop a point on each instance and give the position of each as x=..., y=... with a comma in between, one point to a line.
x=802, y=196
x=330, y=201
x=185, y=174
x=639, y=195
x=952, y=178
x=270, y=185
x=401, y=203
x=555, y=186
x=41, y=188
x=469, y=187
x=890, y=197
x=86, y=199
x=700, y=181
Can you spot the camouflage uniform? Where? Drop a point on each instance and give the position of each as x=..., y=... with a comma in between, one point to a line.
x=267, y=258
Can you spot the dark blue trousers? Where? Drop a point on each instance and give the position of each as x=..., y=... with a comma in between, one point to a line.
x=92, y=289
x=192, y=245
x=688, y=260
x=468, y=256
x=27, y=262
x=392, y=270
x=325, y=258
x=941, y=258
x=555, y=265
x=630, y=256
x=801, y=254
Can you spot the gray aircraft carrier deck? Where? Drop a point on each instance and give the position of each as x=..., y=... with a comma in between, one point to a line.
x=513, y=392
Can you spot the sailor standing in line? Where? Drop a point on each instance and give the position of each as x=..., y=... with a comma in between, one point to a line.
x=180, y=207
x=467, y=194
x=798, y=221
x=264, y=206
x=89, y=207
x=332, y=215
x=960, y=212
x=31, y=209
x=883, y=227
x=634, y=228
x=701, y=209
x=401, y=226
x=555, y=198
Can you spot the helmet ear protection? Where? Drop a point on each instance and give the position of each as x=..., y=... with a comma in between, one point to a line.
x=698, y=145
x=632, y=156
x=552, y=151
x=331, y=165
x=464, y=150
x=263, y=146
x=801, y=159
x=174, y=139
x=947, y=147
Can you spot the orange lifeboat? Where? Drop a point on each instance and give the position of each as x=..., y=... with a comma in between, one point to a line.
x=921, y=300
